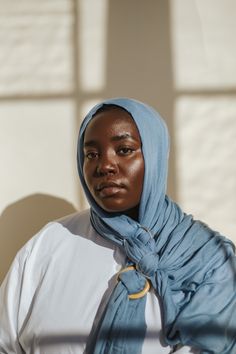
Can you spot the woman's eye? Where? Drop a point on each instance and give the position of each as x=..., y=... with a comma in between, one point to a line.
x=125, y=150
x=91, y=155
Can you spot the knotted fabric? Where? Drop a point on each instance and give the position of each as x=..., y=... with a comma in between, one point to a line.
x=191, y=267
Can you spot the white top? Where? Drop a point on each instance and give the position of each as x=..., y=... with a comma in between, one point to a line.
x=58, y=286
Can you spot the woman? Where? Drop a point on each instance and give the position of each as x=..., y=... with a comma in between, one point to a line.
x=134, y=272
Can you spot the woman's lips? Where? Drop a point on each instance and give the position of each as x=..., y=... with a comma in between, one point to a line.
x=108, y=189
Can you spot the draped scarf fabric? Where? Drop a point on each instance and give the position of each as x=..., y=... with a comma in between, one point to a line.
x=191, y=267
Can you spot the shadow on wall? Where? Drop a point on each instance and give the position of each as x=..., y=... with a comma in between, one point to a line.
x=137, y=49
x=23, y=219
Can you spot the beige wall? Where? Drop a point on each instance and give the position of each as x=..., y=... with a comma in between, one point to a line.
x=58, y=57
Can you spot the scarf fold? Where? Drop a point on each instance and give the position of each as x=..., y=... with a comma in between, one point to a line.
x=191, y=267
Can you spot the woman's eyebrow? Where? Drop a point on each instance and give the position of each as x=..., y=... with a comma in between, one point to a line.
x=122, y=137
x=90, y=143
x=118, y=137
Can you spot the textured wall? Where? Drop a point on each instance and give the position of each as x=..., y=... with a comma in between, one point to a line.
x=36, y=47
x=203, y=35
x=206, y=143
x=58, y=57
x=38, y=125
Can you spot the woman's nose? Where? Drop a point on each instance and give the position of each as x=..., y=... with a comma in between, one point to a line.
x=107, y=165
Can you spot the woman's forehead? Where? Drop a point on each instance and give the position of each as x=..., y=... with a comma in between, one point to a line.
x=114, y=122
x=151, y=127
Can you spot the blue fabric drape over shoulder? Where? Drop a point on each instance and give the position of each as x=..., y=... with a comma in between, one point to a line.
x=191, y=267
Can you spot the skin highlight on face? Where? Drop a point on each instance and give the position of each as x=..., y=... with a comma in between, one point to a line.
x=113, y=162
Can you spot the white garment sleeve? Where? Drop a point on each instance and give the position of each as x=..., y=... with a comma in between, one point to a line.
x=9, y=308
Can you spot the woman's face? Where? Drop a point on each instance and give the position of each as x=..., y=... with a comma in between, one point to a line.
x=113, y=162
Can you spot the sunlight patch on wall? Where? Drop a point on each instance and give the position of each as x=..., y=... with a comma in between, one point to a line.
x=36, y=50
x=37, y=150
x=203, y=43
x=204, y=70
x=206, y=168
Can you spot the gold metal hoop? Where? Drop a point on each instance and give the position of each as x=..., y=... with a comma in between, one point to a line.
x=141, y=293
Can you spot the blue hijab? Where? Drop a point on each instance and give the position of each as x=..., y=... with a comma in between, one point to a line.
x=191, y=267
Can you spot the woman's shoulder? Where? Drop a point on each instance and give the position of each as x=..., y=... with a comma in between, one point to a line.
x=58, y=233
x=76, y=223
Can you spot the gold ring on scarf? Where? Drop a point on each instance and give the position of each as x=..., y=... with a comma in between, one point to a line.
x=141, y=293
